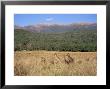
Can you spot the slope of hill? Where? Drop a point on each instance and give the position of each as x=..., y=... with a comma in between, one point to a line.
x=74, y=40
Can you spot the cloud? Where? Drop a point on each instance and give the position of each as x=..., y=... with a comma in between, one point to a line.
x=49, y=19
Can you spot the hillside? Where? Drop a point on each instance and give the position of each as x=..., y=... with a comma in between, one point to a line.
x=72, y=40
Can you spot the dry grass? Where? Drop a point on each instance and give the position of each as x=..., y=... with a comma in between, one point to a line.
x=46, y=63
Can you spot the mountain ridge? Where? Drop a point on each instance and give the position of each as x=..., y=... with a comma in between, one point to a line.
x=57, y=27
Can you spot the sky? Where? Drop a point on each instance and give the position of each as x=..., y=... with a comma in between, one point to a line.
x=33, y=19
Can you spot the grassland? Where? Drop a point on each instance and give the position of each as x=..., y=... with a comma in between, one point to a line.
x=54, y=63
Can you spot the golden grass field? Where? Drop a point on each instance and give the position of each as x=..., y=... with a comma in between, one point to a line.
x=54, y=63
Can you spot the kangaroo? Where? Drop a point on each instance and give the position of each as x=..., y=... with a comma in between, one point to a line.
x=57, y=58
x=43, y=60
x=68, y=59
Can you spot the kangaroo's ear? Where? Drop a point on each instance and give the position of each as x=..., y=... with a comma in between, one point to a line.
x=55, y=54
x=68, y=54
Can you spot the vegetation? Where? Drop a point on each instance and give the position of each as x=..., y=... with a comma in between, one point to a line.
x=76, y=40
x=54, y=63
x=71, y=53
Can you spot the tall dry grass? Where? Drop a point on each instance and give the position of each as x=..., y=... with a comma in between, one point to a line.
x=53, y=63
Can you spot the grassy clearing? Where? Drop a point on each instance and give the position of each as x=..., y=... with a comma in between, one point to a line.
x=54, y=63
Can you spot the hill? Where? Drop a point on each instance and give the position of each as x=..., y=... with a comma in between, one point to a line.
x=84, y=40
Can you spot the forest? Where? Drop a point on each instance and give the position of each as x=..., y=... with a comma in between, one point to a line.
x=74, y=41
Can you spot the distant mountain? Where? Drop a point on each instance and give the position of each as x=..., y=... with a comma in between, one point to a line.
x=45, y=28
x=18, y=27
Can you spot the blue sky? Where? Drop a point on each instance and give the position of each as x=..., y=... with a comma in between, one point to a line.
x=32, y=19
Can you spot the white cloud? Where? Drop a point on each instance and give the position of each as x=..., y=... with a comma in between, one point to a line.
x=49, y=19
